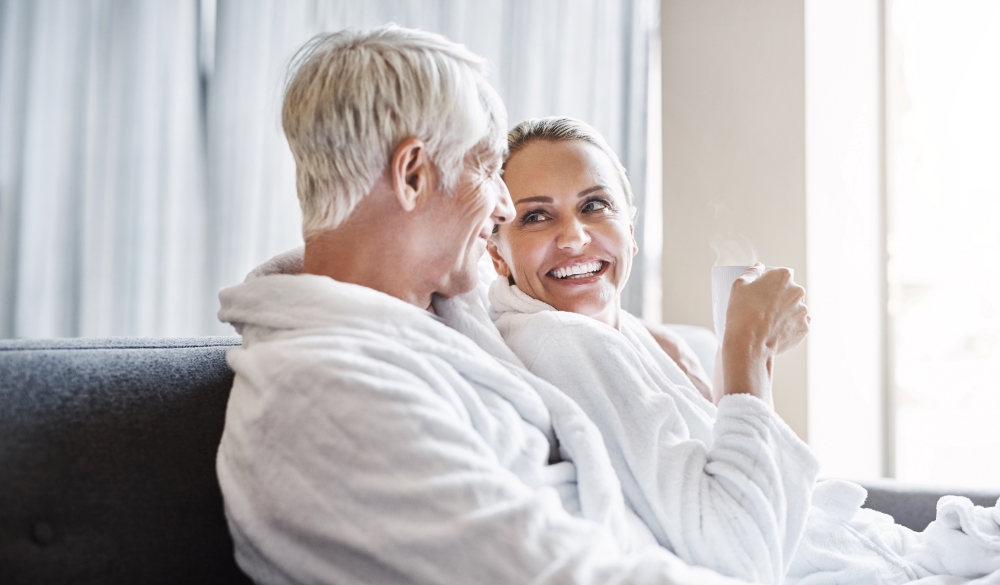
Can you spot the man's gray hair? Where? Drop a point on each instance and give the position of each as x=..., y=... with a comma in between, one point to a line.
x=559, y=129
x=353, y=96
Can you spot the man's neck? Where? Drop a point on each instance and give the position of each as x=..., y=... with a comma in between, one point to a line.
x=368, y=251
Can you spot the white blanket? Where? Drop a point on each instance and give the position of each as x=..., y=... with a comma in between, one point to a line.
x=845, y=543
x=368, y=441
x=730, y=489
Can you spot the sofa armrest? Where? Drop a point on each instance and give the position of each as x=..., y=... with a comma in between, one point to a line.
x=107, y=461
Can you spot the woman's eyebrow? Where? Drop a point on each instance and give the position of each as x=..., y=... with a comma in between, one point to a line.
x=535, y=199
x=586, y=192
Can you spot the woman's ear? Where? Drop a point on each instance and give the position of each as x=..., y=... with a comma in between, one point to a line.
x=635, y=246
x=410, y=172
x=499, y=264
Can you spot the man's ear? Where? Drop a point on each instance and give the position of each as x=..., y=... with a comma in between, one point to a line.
x=635, y=246
x=498, y=262
x=410, y=171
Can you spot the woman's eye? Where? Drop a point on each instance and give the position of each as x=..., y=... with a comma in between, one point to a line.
x=596, y=205
x=532, y=217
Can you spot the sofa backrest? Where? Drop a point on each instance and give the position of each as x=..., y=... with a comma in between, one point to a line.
x=107, y=461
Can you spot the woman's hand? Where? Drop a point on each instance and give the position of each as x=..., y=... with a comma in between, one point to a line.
x=767, y=307
x=766, y=316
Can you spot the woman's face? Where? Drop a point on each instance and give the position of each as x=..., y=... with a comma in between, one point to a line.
x=570, y=244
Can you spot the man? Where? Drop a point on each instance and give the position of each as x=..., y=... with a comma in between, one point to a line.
x=379, y=431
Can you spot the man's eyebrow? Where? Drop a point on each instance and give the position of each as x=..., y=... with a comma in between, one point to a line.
x=586, y=192
x=535, y=199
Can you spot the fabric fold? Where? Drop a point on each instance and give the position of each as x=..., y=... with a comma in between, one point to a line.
x=725, y=488
x=369, y=441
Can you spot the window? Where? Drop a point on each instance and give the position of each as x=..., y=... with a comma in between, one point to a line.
x=943, y=177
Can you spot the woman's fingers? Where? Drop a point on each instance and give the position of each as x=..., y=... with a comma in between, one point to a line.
x=798, y=320
x=751, y=274
x=768, y=304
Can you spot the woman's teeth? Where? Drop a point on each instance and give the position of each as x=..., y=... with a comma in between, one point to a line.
x=578, y=271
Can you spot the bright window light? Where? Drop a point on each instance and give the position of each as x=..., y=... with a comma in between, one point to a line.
x=943, y=165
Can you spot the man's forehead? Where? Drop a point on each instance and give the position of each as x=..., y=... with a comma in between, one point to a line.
x=492, y=150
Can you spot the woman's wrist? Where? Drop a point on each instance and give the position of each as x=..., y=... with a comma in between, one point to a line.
x=747, y=368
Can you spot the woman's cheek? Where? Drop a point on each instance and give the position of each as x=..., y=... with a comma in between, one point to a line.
x=531, y=257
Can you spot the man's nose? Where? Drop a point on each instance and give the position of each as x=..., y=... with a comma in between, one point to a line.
x=504, y=210
x=572, y=234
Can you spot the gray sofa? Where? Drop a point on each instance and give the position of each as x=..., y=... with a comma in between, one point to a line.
x=107, y=451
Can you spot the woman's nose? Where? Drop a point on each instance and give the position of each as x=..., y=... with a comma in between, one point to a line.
x=572, y=234
x=504, y=210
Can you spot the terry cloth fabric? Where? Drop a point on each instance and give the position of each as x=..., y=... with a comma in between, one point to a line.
x=991, y=579
x=369, y=441
x=964, y=539
x=700, y=478
x=845, y=543
x=727, y=489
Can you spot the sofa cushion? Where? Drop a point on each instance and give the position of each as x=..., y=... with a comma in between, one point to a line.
x=107, y=461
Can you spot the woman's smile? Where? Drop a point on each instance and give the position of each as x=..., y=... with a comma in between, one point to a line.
x=578, y=272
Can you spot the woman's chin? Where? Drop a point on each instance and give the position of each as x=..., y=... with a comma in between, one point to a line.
x=597, y=306
x=590, y=296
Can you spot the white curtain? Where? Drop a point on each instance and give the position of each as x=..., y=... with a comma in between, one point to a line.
x=102, y=198
x=142, y=164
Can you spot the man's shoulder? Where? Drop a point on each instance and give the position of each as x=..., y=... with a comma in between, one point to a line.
x=330, y=360
x=337, y=378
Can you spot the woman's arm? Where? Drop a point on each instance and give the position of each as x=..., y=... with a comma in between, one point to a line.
x=718, y=379
x=682, y=354
x=767, y=316
x=735, y=502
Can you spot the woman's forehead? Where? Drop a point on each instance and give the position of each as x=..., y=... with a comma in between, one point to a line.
x=545, y=165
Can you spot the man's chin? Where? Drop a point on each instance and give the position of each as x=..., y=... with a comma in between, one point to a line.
x=459, y=283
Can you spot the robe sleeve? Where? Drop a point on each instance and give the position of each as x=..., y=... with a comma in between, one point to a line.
x=337, y=466
x=738, y=506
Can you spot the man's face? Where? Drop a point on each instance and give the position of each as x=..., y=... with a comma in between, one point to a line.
x=460, y=223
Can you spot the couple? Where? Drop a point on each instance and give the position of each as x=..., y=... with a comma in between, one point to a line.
x=380, y=428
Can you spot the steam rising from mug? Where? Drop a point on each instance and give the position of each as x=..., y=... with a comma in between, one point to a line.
x=733, y=254
x=730, y=246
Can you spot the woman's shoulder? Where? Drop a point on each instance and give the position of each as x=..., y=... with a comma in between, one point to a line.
x=514, y=312
x=545, y=324
x=553, y=335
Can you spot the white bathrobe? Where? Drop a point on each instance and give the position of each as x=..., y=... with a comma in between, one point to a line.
x=369, y=441
x=729, y=489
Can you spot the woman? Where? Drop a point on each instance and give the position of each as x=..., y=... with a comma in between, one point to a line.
x=725, y=487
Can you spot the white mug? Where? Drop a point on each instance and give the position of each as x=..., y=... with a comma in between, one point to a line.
x=723, y=278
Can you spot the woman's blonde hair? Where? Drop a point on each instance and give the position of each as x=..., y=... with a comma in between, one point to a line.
x=561, y=129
